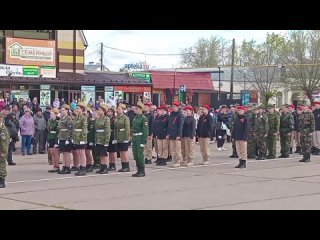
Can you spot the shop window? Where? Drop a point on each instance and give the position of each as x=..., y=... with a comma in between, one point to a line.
x=36, y=34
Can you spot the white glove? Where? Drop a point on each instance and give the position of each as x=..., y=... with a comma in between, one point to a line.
x=58, y=141
x=90, y=144
x=220, y=137
x=125, y=141
x=72, y=140
x=56, y=145
x=67, y=142
x=48, y=144
x=141, y=145
x=114, y=141
x=81, y=143
x=106, y=145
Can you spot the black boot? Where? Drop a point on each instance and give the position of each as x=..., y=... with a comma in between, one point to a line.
x=65, y=170
x=169, y=159
x=304, y=158
x=291, y=151
x=261, y=157
x=103, y=169
x=238, y=164
x=89, y=168
x=2, y=183
x=125, y=167
x=74, y=168
x=307, y=158
x=162, y=162
x=298, y=150
x=313, y=149
x=157, y=160
x=122, y=167
x=148, y=161
x=81, y=172
x=233, y=156
x=243, y=164
x=281, y=156
x=112, y=167
x=11, y=163
x=317, y=152
x=140, y=172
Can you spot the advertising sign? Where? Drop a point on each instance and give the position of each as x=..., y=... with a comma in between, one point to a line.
x=30, y=52
x=11, y=70
x=19, y=94
x=87, y=93
x=48, y=71
x=142, y=76
x=147, y=97
x=30, y=71
x=118, y=95
x=109, y=98
x=27, y=71
x=45, y=95
x=108, y=89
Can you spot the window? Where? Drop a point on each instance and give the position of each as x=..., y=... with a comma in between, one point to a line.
x=36, y=34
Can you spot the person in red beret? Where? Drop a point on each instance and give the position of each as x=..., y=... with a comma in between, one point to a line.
x=204, y=130
x=155, y=129
x=174, y=136
x=188, y=135
x=240, y=135
x=162, y=132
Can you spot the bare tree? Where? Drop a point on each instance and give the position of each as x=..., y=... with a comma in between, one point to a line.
x=301, y=55
x=207, y=53
x=261, y=64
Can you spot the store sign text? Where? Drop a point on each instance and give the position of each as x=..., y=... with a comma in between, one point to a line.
x=140, y=65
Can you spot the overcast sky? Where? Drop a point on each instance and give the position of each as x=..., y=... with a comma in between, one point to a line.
x=155, y=41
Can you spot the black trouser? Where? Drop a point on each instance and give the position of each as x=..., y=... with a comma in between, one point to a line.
x=220, y=137
x=213, y=133
x=10, y=149
x=39, y=139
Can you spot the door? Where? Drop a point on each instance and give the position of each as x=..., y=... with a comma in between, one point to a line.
x=74, y=95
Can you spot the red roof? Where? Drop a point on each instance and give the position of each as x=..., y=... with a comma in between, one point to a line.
x=194, y=81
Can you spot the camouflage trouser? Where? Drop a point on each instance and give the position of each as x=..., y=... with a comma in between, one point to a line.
x=261, y=144
x=251, y=148
x=271, y=144
x=3, y=167
x=285, y=142
x=306, y=142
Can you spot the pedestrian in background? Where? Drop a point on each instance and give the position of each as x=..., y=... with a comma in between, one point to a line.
x=40, y=128
x=27, y=128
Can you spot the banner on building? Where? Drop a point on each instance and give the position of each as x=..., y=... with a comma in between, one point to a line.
x=147, y=97
x=30, y=52
x=45, y=95
x=27, y=71
x=88, y=93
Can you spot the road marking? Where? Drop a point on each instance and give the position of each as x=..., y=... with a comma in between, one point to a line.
x=151, y=170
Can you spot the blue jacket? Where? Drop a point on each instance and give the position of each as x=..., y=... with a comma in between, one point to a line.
x=175, y=125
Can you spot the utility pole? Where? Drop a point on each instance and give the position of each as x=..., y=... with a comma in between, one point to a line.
x=232, y=64
x=101, y=57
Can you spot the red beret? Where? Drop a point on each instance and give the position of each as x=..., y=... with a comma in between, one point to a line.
x=300, y=108
x=310, y=107
x=206, y=106
x=176, y=104
x=241, y=108
x=163, y=107
x=292, y=106
x=188, y=108
x=317, y=102
x=148, y=104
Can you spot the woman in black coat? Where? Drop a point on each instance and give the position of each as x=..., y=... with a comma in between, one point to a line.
x=223, y=119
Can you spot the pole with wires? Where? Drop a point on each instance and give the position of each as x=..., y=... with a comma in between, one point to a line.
x=101, y=57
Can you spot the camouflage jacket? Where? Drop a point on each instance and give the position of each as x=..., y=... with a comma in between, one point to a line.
x=52, y=129
x=261, y=124
x=122, y=128
x=65, y=128
x=91, y=130
x=232, y=121
x=103, y=130
x=286, y=123
x=251, y=119
x=4, y=139
x=80, y=130
x=274, y=122
x=140, y=126
x=306, y=122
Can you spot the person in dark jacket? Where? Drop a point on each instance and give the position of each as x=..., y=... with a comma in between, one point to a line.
x=155, y=130
x=175, y=127
x=223, y=121
x=240, y=134
x=294, y=135
x=9, y=122
x=316, y=135
x=204, y=133
x=161, y=133
x=188, y=136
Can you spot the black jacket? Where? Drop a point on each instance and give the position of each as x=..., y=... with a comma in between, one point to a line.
x=162, y=126
x=241, y=128
x=205, y=125
x=155, y=126
x=316, y=114
x=296, y=120
x=222, y=118
x=175, y=125
x=150, y=118
x=189, y=127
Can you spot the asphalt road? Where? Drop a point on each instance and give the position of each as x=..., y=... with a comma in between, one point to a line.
x=267, y=184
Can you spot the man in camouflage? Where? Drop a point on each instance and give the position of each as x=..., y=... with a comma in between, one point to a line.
x=233, y=119
x=250, y=115
x=306, y=128
x=286, y=128
x=273, y=119
x=261, y=129
x=4, y=145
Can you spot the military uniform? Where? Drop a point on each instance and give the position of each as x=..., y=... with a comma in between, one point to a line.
x=204, y=132
x=90, y=139
x=4, y=146
x=148, y=147
x=140, y=132
x=65, y=130
x=251, y=117
x=122, y=137
x=232, y=121
x=80, y=131
x=261, y=129
x=162, y=142
x=306, y=128
x=112, y=148
x=273, y=119
x=286, y=127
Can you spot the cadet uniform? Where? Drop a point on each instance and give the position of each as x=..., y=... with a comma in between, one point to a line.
x=306, y=128
x=148, y=148
x=80, y=131
x=204, y=132
x=4, y=146
x=251, y=142
x=188, y=134
x=102, y=138
x=53, y=140
x=112, y=147
x=155, y=131
x=91, y=142
x=140, y=132
x=261, y=129
x=273, y=119
x=122, y=137
x=286, y=127
x=161, y=131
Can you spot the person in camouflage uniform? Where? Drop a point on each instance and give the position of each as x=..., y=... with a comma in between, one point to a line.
x=53, y=140
x=251, y=116
x=90, y=138
x=273, y=119
x=234, y=116
x=65, y=129
x=286, y=128
x=102, y=137
x=306, y=129
x=140, y=133
x=4, y=146
x=261, y=129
